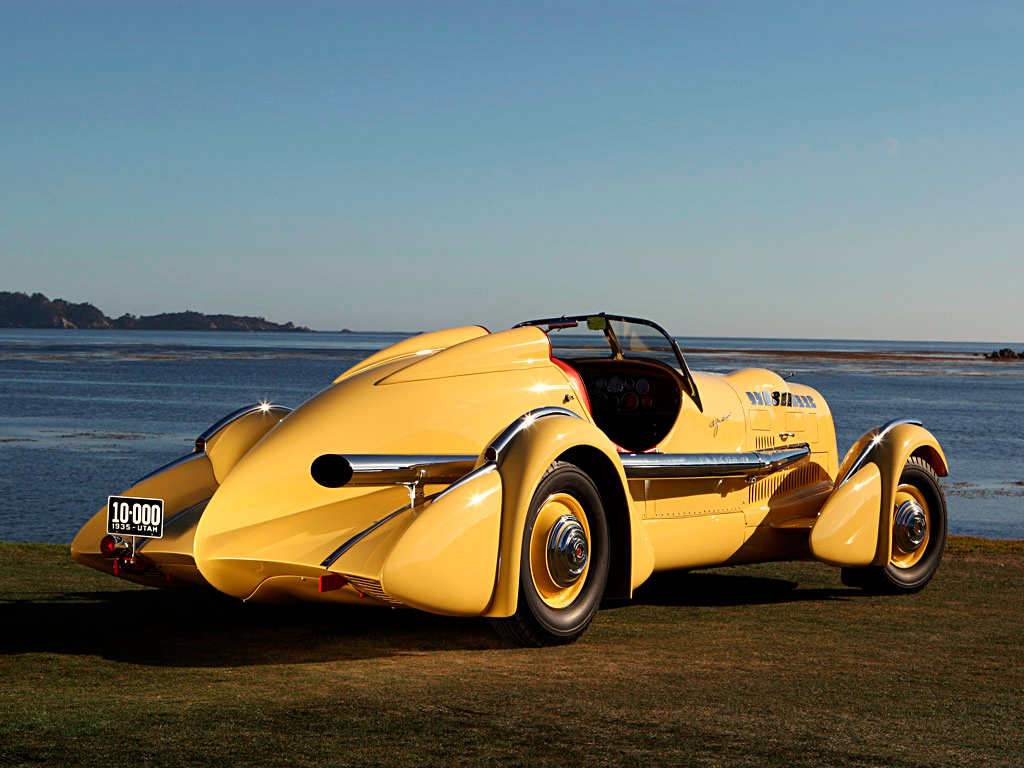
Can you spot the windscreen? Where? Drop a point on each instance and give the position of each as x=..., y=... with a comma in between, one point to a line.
x=615, y=336
x=640, y=340
x=601, y=336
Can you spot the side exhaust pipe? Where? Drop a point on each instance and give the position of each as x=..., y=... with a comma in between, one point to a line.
x=333, y=470
x=681, y=466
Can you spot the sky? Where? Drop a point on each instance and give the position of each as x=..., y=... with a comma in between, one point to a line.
x=811, y=170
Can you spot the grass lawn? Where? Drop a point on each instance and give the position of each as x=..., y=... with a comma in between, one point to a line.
x=767, y=665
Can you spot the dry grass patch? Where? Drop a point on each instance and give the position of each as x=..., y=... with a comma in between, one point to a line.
x=767, y=665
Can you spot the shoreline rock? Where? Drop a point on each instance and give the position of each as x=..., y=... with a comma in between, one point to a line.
x=1004, y=354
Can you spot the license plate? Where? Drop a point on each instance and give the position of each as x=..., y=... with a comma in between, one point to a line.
x=132, y=516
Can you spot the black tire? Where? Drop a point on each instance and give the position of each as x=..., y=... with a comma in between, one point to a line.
x=891, y=578
x=536, y=623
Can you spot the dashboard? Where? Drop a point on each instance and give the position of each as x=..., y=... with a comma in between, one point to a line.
x=634, y=402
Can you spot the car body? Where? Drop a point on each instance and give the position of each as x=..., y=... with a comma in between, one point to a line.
x=526, y=475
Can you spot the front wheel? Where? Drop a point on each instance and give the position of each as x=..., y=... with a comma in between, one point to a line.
x=918, y=535
x=564, y=563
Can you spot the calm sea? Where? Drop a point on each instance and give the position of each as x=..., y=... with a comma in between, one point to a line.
x=85, y=413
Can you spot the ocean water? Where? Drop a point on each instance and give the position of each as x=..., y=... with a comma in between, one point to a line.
x=85, y=413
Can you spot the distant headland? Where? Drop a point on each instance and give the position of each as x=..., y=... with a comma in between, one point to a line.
x=19, y=310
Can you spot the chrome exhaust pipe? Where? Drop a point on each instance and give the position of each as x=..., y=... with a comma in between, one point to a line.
x=683, y=466
x=332, y=470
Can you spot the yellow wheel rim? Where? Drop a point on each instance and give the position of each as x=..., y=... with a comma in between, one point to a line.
x=911, y=527
x=555, y=570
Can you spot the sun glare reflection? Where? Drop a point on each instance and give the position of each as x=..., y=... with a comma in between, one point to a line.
x=481, y=497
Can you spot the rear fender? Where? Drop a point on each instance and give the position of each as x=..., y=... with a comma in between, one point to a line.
x=446, y=560
x=182, y=485
x=227, y=441
x=522, y=464
x=853, y=529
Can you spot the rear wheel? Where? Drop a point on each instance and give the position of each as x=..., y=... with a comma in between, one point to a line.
x=918, y=535
x=564, y=563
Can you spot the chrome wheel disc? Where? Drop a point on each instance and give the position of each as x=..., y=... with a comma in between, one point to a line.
x=910, y=527
x=560, y=550
x=567, y=551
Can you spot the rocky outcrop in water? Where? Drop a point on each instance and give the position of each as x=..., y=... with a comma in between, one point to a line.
x=19, y=310
x=1004, y=354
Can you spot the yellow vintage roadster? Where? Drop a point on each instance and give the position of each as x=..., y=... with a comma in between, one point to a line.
x=524, y=476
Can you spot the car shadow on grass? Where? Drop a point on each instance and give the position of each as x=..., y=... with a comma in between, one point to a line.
x=721, y=588
x=199, y=628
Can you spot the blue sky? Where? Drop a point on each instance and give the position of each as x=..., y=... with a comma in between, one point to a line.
x=748, y=169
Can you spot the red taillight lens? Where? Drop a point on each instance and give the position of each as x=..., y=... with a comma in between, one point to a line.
x=332, y=581
x=108, y=546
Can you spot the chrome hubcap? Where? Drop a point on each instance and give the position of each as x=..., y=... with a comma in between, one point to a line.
x=911, y=526
x=567, y=551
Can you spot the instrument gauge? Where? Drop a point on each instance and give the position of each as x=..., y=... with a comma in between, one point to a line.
x=628, y=383
x=630, y=401
x=600, y=384
x=615, y=385
x=643, y=387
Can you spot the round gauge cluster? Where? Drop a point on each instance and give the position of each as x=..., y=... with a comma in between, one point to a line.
x=621, y=393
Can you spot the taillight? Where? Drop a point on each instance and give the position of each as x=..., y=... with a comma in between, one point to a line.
x=108, y=546
x=332, y=581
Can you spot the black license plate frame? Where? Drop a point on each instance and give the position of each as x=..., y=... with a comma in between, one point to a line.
x=135, y=516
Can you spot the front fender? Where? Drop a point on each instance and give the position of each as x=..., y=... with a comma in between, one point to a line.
x=522, y=464
x=854, y=527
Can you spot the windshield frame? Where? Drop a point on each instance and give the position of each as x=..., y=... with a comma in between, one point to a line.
x=613, y=342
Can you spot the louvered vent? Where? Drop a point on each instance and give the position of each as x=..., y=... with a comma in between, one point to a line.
x=785, y=482
x=765, y=441
x=372, y=588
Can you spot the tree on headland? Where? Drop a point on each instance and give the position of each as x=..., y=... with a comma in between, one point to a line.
x=19, y=310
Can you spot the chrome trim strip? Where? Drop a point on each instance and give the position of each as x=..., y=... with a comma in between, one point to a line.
x=171, y=465
x=483, y=469
x=679, y=466
x=501, y=441
x=141, y=542
x=236, y=415
x=331, y=558
x=880, y=432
